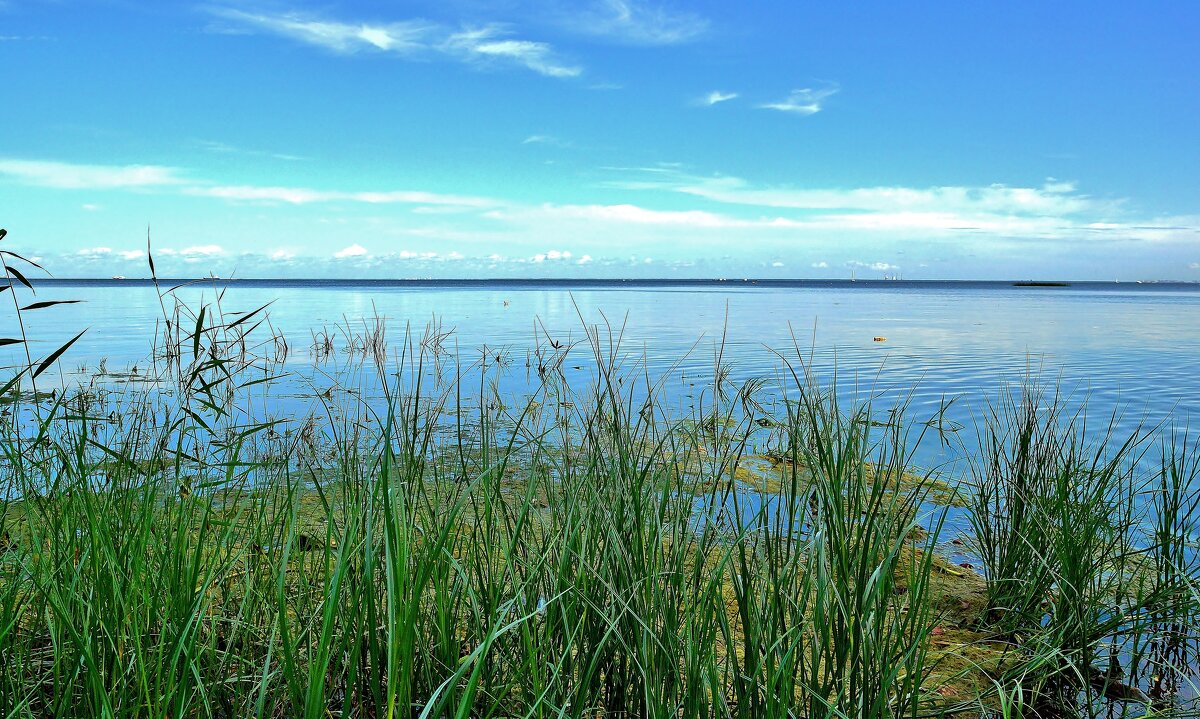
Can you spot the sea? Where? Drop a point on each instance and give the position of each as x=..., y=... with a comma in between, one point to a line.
x=1125, y=353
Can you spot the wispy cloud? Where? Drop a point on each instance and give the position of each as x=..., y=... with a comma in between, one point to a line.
x=691, y=220
x=190, y=255
x=621, y=214
x=407, y=37
x=1054, y=198
x=224, y=148
x=1055, y=211
x=203, y=250
x=716, y=96
x=487, y=45
x=64, y=175
x=635, y=22
x=93, y=253
x=805, y=101
x=306, y=195
x=546, y=140
x=491, y=44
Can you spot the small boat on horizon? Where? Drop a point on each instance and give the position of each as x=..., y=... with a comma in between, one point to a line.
x=118, y=277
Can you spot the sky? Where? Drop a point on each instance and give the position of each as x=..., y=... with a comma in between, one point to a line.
x=602, y=138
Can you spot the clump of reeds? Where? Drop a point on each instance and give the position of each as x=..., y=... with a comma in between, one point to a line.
x=1085, y=546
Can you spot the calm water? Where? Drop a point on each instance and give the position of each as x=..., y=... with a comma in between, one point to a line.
x=1122, y=345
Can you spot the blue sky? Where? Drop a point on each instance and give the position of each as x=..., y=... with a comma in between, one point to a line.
x=603, y=138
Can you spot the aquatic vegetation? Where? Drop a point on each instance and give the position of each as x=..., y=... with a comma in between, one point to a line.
x=1083, y=550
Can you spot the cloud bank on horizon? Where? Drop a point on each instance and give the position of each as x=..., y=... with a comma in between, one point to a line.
x=564, y=140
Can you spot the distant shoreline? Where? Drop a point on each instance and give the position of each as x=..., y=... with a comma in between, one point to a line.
x=550, y=283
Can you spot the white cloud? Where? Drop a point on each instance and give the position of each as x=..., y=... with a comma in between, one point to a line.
x=94, y=253
x=555, y=256
x=1054, y=185
x=991, y=198
x=636, y=22
x=897, y=224
x=490, y=43
x=408, y=38
x=203, y=250
x=355, y=250
x=630, y=214
x=305, y=195
x=805, y=101
x=224, y=148
x=770, y=222
x=777, y=263
x=195, y=253
x=715, y=97
x=412, y=255
x=341, y=37
x=545, y=140
x=131, y=255
x=90, y=207
x=876, y=266
x=1194, y=266
x=69, y=176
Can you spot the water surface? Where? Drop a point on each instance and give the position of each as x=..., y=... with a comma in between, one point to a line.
x=1127, y=347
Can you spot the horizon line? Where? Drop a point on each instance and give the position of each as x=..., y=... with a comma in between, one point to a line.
x=623, y=280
